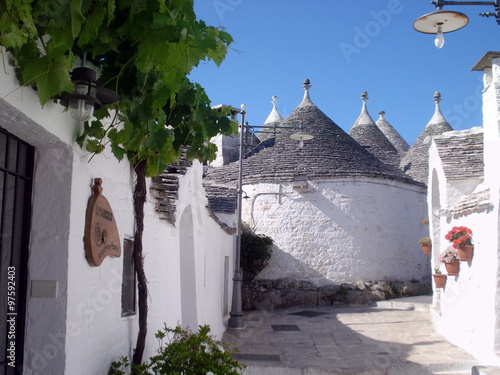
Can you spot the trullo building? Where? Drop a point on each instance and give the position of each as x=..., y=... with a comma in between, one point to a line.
x=336, y=212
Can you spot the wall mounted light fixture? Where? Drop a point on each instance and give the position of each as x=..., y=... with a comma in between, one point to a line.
x=443, y=21
x=88, y=94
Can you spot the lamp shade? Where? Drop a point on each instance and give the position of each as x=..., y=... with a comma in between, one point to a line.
x=448, y=20
x=301, y=136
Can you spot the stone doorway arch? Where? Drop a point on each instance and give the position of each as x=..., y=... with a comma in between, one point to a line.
x=187, y=256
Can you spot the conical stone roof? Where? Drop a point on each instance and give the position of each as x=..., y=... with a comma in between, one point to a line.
x=332, y=153
x=415, y=163
x=392, y=134
x=368, y=135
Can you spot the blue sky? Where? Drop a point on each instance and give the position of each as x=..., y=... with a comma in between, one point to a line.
x=344, y=48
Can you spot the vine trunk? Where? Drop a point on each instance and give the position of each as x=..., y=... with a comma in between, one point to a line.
x=139, y=201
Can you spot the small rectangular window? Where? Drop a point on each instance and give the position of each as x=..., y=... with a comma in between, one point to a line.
x=226, y=286
x=128, y=279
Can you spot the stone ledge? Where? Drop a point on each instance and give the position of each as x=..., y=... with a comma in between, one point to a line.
x=282, y=293
x=486, y=370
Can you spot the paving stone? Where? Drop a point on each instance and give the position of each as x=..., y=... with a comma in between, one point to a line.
x=360, y=340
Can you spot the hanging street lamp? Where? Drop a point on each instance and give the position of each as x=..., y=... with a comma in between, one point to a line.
x=236, y=319
x=443, y=21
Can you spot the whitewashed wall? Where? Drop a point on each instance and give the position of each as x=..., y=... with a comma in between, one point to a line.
x=48, y=130
x=81, y=330
x=341, y=230
x=227, y=149
x=466, y=312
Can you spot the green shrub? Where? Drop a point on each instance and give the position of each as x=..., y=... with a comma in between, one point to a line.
x=256, y=249
x=185, y=353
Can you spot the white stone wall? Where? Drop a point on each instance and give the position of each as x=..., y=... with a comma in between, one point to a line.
x=341, y=230
x=227, y=149
x=81, y=330
x=491, y=118
x=466, y=311
x=491, y=121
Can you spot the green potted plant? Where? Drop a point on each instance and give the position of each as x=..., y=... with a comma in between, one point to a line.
x=461, y=237
x=184, y=352
x=450, y=259
x=426, y=244
x=439, y=278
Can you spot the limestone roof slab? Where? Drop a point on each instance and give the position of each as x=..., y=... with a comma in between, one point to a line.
x=332, y=153
x=461, y=155
x=369, y=135
x=415, y=162
x=486, y=61
x=392, y=134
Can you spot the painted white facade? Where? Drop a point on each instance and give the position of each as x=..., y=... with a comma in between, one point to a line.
x=189, y=266
x=227, y=149
x=467, y=312
x=341, y=230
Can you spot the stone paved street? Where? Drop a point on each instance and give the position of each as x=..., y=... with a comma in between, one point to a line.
x=347, y=340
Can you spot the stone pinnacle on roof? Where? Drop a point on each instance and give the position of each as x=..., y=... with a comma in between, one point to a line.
x=368, y=135
x=416, y=161
x=392, y=134
x=273, y=120
x=306, y=100
x=438, y=116
x=274, y=116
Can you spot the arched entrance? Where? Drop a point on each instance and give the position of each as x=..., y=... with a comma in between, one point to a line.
x=435, y=217
x=189, y=306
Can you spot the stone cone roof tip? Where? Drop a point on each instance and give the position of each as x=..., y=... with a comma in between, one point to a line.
x=273, y=119
x=306, y=100
x=438, y=117
x=415, y=163
x=368, y=135
x=364, y=117
x=332, y=153
x=274, y=116
x=392, y=134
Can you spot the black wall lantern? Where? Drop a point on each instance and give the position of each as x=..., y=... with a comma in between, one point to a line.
x=88, y=94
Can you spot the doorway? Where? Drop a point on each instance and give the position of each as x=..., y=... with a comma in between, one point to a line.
x=16, y=175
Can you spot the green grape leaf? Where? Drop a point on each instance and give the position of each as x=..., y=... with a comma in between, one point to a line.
x=118, y=152
x=77, y=18
x=50, y=76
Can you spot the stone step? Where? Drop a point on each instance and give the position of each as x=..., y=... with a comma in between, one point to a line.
x=416, y=303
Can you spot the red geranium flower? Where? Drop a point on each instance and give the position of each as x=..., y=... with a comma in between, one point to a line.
x=459, y=236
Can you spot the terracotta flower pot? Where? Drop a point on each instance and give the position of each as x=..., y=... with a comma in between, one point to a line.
x=465, y=252
x=427, y=249
x=439, y=280
x=452, y=268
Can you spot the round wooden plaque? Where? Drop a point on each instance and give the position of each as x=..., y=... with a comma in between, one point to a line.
x=101, y=233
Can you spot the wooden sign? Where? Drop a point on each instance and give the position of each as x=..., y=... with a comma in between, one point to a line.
x=101, y=234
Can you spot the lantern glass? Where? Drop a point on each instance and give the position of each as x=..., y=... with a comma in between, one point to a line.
x=81, y=109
